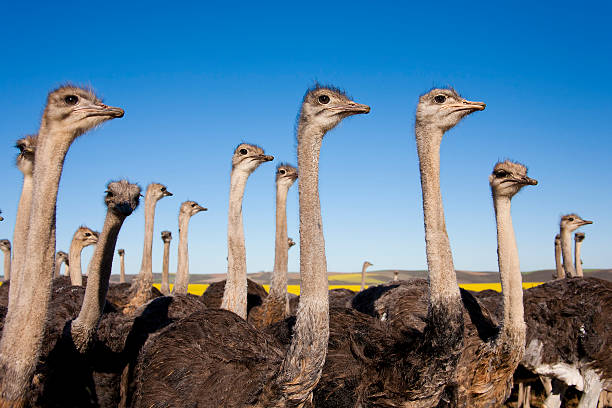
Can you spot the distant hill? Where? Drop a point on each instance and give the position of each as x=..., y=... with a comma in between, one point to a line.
x=375, y=277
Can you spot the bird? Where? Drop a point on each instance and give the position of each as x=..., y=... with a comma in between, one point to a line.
x=365, y=266
x=275, y=307
x=373, y=366
x=239, y=364
x=187, y=210
x=559, y=272
x=121, y=253
x=70, y=111
x=578, y=239
x=569, y=223
x=5, y=247
x=60, y=258
x=82, y=238
x=166, y=236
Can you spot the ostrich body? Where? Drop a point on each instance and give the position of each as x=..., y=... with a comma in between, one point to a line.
x=365, y=266
x=239, y=364
x=25, y=164
x=121, y=253
x=407, y=367
x=212, y=298
x=275, y=307
x=166, y=236
x=578, y=239
x=181, y=282
x=60, y=258
x=245, y=160
x=82, y=238
x=141, y=289
x=559, y=272
x=569, y=223
x=5, y=247
x=70, y=112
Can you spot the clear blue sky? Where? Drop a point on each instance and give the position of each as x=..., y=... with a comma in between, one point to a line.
x=195, y=80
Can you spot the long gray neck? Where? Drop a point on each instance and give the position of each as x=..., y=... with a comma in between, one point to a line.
x=20, y=344
x=58, y=267
x=122, y=270
x=566, y=250
x=577, y=262
x=301, y=369
x=558, y=264
x=363, y=275
x=278, y=288
x=22, y=226
x=165, y=281
x=442, y=277
x=181, y=283
x=146, y=267
x=84, y=326
x=76, y=275
x=7, y=264
x=513, y=329
x=235, y=294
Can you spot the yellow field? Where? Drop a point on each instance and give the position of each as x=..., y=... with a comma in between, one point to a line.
x=198, y=289
x=353, y=277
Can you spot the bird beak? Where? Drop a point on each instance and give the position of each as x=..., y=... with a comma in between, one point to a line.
x=202, y=208
x=167, y=193
x=528, y=181
x=468, y=105
x=101, y=109
x=265, y=158
x=352, y=108
x=1, y=218
x=585, y=222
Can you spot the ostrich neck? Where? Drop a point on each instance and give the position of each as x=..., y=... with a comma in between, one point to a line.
x=235, y=293
x=442, y=277
x=513, y=329
x=165, y=281
x=181, y=284
x=99, y=271
x=566, y=250
x=58, y=266
x=577, y=247
x=7, y=264
x=146, y=267
x=22, y=226
x=363, y=275
x=122, y=271
x=76, y=275
x=558, y=264
x=278, y=289
x=20, y=344
x=303, y=363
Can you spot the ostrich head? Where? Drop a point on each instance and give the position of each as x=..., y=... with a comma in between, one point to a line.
x=248, y=157
x=166, y=236
x=508, y=178
x=61, y=255
x=73, y=110
x=367, y=264
x=571, y=222
x=122, y=197
x=86, y=236
x=579, y=236
x=157, y=191
x=286, y=174
x=121, y=252
x=290, y=242
x=324, y=107
x=25, y=158
x=444, y=108
x=558, y=239
x=5, y=245
x=190, y=208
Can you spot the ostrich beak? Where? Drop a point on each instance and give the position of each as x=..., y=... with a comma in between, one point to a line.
x=101, y=109
x=202, y=208
x=167, y=193
x=265, y=158
x=528, y=181
x=585, y=222
x=353, y=108
x=471, y=106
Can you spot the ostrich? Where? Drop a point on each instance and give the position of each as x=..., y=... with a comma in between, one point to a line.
x=141, y=289
x=290, y=243
x=369, y=366
x=65, y=375
x=395, y=276
x=365, y=266
x=166, y=236
x=5, y=247
x=181, y=282
x=60, y=258
x=82, y=238
x=569, y=223
x=578, y=238
x=559, y=272
x=239, y=364
x=121, y=253
x=245, y=160
x=70, y=112
x=276, y=305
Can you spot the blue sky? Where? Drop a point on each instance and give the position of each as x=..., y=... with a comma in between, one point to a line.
x=196, y=80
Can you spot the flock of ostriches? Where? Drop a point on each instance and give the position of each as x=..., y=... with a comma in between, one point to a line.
x=82, y=342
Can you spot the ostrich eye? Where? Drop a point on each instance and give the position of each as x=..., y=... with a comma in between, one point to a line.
x=570, y=219
x=243, y=151
x=324, y=99
x=440, y=98
x=71, y=99
x=163, y=189
x=193, y=205
x=87, y=234
x=282, y=171
x=500, y=173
